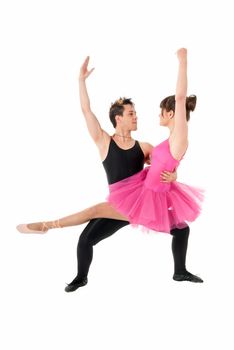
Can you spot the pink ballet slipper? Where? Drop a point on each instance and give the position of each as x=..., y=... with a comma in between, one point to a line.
x=23, y=228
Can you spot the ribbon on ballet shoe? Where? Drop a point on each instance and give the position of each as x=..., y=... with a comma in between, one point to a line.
x=45, y=227
x=56, y=224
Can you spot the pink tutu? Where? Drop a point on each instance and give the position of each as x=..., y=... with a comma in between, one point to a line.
x=159, y=206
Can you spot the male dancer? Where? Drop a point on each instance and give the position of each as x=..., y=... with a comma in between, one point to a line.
x=121, y=156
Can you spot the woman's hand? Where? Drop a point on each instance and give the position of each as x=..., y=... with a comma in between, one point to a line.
x=84, y=72
x=182, y=54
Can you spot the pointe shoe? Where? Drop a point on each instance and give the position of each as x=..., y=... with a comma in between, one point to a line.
x=23, y=228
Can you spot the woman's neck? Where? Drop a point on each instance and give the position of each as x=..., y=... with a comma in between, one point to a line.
x=170, y=127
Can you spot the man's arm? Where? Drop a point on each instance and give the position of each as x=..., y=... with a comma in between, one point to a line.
x=146, y=149
x=167, y=176
x=96, y=132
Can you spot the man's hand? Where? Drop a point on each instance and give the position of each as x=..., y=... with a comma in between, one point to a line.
x=84, y=72
x=167, y=176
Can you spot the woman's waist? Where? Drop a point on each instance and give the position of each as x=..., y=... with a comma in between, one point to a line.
x=157, y=186
x=136, y=178
x=153, y=179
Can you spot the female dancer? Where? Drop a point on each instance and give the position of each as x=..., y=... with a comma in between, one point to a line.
x=142, y=199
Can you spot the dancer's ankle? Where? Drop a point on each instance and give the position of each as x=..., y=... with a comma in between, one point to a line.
x=53, y=224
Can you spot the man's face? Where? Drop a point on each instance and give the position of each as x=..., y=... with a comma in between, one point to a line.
x=129, y=119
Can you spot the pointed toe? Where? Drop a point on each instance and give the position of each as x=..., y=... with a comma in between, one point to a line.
x=23, y=228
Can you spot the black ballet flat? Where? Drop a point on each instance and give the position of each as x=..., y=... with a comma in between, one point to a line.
x=187, y=276
x=75, y=284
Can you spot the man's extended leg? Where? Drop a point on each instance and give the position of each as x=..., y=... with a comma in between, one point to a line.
x=179, y=250
x=94, y=232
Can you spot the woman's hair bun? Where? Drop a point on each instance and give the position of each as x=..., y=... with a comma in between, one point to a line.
x=191, y=102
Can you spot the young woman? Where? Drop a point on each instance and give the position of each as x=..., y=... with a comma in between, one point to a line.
x=142, y=199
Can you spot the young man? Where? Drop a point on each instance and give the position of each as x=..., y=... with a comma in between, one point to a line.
x=121, y=156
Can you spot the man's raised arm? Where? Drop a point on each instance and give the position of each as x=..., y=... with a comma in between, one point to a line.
x=94, y=128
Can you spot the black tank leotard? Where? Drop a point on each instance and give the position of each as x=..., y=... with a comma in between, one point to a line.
x=120, y=164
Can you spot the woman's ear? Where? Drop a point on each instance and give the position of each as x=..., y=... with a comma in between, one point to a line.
x=171, y=114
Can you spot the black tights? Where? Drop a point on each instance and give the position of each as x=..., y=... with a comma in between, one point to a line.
x=99, y=229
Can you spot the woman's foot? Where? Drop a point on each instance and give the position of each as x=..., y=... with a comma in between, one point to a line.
x=36, y=227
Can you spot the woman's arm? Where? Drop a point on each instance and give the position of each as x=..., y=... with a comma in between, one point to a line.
x=179, y=136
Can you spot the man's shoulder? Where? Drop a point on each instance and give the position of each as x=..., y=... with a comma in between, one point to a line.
x=146, y=148
x=103, y=144
x=145, y=145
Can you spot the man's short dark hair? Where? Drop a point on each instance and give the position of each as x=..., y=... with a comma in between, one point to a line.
x=117, y=108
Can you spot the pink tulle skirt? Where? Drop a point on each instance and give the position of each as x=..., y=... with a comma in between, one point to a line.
x=160, y=211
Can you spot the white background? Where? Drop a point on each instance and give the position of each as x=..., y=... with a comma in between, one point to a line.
x=51, y=168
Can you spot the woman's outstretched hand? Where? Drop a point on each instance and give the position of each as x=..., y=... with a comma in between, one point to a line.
x=84, y=72
x=181, y=54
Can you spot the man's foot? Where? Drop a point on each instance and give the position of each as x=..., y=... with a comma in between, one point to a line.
x=187, y=276
x=75, y=284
